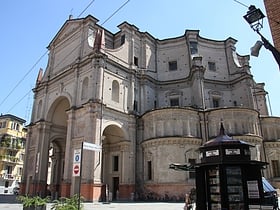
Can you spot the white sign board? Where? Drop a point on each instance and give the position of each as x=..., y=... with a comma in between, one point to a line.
x=232, y=151
x=211, y=153
x=77, y=156
x=91, y=146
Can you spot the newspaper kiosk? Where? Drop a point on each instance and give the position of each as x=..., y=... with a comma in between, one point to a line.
x=227, y=178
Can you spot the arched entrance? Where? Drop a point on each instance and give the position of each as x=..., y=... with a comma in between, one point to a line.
x=57, y=117
x=55, y=167
x=116, y=163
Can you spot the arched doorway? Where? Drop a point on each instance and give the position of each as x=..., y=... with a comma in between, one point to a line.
x=57, y=117
x=116, y=162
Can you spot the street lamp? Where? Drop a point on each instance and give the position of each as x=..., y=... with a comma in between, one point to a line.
x=255, y=17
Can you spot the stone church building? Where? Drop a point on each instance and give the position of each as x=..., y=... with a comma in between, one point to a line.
x=148, y=103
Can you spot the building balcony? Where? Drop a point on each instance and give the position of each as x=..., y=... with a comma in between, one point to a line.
x=10, y=159
x=10, y=146
x=7, y=176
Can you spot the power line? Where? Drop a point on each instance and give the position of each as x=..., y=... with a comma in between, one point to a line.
x=241, y=3
x=31, y=69
x=82, y=41
x=19, y=100
x=28, y=106
x=23, y=78
x=115, y=12
x=86, y=8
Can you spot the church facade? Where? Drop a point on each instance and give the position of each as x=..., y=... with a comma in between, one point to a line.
x=147, y=103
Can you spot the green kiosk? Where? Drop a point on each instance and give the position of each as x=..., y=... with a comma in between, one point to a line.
x=227, y=178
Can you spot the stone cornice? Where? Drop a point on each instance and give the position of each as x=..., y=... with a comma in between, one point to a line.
x=272, y=144
x=118, y=146
x=171, y=141
x=252, y=139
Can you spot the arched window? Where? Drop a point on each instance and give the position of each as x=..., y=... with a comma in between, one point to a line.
x=84, y=94
x=115, y=91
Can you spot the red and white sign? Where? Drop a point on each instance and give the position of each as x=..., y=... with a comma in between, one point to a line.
x=76, y=169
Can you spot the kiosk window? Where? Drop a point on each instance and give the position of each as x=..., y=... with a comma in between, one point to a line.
x=234, y=187
x=214, y=188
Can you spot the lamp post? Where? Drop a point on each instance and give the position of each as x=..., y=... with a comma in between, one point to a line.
x=255, y=17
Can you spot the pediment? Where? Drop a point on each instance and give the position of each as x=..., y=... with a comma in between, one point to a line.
x=69, y=28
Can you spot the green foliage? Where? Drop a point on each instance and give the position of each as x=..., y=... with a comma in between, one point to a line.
x=67, y=203
x=28, y=201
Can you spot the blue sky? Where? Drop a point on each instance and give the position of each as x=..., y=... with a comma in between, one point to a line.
x=27, y=27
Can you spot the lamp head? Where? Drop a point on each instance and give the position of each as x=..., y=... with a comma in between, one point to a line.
x=255, y=50
x=254, y=17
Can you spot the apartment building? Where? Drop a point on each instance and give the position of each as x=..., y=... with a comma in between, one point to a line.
x=12, y=146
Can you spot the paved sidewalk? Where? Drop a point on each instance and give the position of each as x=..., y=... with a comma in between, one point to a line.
x=113, y=206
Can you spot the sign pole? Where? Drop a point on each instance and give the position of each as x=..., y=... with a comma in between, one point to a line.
x=86, y=146
x=80, y=181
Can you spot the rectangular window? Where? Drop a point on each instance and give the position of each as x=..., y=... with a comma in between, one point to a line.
x=9, y=170
x=192, y=173
x=275, y=168
x=122, y=39
x=149, y=174
x=135, y=61
x=115, y=163
x=135, y=106
x=20, y=171
x=216, y=102
x=21, y=157
x=174, y=101
x=212, y=66
x=193, y=48
x=172, y=65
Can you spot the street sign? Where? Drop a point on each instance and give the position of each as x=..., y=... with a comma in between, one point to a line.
x=76, y=169
x=76, y=162
x=92, y=147
x=77, y=156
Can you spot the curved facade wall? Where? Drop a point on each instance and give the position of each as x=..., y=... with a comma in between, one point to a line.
x=237, y=121
x=171, y=122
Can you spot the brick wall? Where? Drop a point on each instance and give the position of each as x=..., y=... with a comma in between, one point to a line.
x=273, y=13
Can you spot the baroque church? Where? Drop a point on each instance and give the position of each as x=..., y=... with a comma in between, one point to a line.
x=147, y=103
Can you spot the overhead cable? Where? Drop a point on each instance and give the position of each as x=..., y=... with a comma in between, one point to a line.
x=31, y=69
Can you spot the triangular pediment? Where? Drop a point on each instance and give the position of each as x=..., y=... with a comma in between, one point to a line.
x=69, y=27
